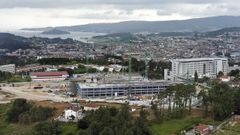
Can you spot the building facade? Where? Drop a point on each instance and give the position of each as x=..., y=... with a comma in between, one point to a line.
x=11, y=68
x=114, y=90
x=186, y=68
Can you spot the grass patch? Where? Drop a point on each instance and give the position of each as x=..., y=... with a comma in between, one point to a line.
x=176, y=125
x=68, y=128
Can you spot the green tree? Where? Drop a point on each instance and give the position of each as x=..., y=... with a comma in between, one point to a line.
x=155, y=111
x=94, y=128
x=203, y=95
x=83, y=124
x=220, y=74
x=46, y=128
x=195, y=76
x=191, y=92
x=140, y=126
x=234, y=72
x=221, y=97
x=83, y=132
x=18, y=107
x=179, y=100
x=107, y=131
x=237, y=101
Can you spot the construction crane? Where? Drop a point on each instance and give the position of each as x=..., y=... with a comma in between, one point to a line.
x=147, y=57
x=129, y=70
x=86, y=55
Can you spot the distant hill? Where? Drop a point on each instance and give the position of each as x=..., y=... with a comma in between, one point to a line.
x=55, y=32
x=12, y=42
x=222, y=31
x=191, y=25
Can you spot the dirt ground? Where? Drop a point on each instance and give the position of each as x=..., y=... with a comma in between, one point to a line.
x=96, y=104
x=24, y=90
x=197, y=113
x=60, y=106
x=6, y=97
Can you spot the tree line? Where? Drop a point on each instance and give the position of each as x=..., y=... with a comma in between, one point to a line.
x=79, y=70
x=112, y=121
x=103, y=121
x=220, y=101
x=174, y=102
x=4, y=76
x=155, y=69
x=9, y=77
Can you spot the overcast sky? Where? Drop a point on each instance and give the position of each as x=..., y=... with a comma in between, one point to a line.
x=17, y=14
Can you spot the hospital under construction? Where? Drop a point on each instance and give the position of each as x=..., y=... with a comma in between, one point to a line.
x=116, y=88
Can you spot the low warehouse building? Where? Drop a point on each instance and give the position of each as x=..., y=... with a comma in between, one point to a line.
x=49, y=76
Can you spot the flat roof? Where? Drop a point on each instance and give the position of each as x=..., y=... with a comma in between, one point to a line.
x=198, y=59
x=107, y=85
x=48, y=73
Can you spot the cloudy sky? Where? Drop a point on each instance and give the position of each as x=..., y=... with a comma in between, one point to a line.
x=17, y=14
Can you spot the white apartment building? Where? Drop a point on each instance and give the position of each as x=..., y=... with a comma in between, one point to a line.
x=186, y=68
x=11, y=68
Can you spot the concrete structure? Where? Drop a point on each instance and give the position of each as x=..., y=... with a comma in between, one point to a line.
x=49, y=76
x=11, y=68
x=120, y=89
x=186, y=68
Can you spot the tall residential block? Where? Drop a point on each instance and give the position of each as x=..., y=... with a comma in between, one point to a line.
x=186, y=68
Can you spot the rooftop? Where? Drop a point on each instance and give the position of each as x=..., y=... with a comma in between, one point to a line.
x=48, y=73
x=202, y=127
x=119, y=84
x=199, y=59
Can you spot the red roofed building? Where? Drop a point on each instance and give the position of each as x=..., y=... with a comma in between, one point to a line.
x=49, y=76
x=202, y=129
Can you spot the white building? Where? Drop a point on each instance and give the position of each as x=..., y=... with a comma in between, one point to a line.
x=11, y=68
x=73, y=113
x=70, y=114
x=186, y=68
